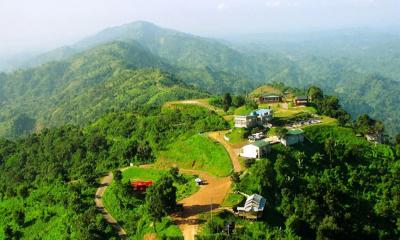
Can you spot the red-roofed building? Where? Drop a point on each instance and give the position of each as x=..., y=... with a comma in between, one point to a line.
x=141, y=186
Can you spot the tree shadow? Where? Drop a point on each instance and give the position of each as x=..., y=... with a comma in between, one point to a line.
x=189, y=211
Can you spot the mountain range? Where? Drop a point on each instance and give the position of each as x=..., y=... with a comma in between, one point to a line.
x=140, y=65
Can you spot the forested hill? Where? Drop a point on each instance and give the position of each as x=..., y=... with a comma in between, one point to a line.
x=361, y=71
x=333, y=186
x=117, y=75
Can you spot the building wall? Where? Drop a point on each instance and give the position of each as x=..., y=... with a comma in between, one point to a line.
x=292, y=139
x=270, y=99
x=249, y=151
x=245, y=122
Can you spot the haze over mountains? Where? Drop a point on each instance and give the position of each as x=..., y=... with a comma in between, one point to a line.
x=141, y=64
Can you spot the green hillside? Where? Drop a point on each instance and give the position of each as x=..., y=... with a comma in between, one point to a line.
x=356, y=69
x=113, y=76
x=48, y=180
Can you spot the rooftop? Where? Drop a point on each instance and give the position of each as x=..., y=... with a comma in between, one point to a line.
x=255, y=203
x=295, y=132
x=301, y=98
x=264, y=111
x=260, y=143
x=271, y=95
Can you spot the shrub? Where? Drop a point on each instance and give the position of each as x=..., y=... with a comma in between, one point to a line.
x=249, y=162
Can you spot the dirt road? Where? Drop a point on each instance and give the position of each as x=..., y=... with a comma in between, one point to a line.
x=104, y=183
x=209, y=197
x=233, y=153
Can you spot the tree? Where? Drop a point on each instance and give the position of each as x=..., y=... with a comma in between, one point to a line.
x=130, y=150
x=117, y=176
x=343, y=117
x=366, y=125
x=96, y=142
x=398, y=139
x=161, y=198
x=282, y=168
x=328, y=229
x=238, y=101
x=235, y=177
x=174, y=171
x=330, y=148
x=145, y=152
x=227, y=101
x=281, y=132
x=315, y=93
x=11, y=234
x=251, y=104
x=22, y=124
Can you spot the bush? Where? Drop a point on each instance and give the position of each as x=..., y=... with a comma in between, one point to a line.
x=249, y=162
x=216, y=102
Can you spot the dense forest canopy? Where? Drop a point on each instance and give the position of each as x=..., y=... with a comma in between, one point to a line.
x=47, y=180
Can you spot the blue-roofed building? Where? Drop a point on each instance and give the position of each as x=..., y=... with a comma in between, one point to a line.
x=265, y=114
x=256, y=118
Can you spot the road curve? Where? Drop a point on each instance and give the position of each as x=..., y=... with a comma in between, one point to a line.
x=209, y=197
x=104, y=183
x=233, y=153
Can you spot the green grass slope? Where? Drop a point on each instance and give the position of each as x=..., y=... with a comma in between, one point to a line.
x=197, y=152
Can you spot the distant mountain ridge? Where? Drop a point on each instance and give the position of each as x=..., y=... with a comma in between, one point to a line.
x=216, y=67
x=112, y=76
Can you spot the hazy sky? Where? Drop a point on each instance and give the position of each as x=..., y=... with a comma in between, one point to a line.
x=36, y=24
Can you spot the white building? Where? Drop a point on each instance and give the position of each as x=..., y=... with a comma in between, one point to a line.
x=245, y=121
x=256, y=149
x=254, y=206
x=256, y=118
x=293, y=137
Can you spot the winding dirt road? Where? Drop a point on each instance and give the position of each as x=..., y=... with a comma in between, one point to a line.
x=233, y=153
x=104, y=183
x=208, y=198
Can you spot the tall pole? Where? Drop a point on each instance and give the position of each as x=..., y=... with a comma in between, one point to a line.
x=211, y=208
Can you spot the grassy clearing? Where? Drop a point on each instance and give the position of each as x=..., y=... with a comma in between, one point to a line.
x=197, y=152
x=237, y=136
x=197, y=102
x=284, y=113
x=184, y=189
x=138, y=173
x=265, y=90
x=243, y=110
x=232, y=200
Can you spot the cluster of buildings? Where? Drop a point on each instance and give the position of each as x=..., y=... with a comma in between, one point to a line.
x=261, y=148
x=262, y=117
x=267, y=99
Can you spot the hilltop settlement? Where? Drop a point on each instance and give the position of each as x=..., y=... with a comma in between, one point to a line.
x=278, y=163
